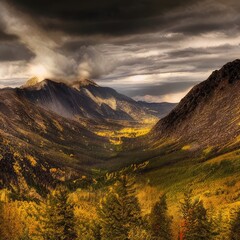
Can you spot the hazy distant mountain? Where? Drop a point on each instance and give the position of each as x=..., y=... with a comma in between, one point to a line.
x=209, y=114
x=159, y=110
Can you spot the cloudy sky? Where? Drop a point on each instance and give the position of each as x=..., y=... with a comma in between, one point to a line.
x=153, y=50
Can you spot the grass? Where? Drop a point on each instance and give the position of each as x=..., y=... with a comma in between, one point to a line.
x=215, y=180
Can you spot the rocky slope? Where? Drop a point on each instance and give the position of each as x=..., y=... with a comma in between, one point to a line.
x=209, y=114
x=85, y=100
x=40, y=148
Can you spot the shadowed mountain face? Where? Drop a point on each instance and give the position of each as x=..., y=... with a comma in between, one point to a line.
x=86, y=100
x=40, y=148
x=209, y=114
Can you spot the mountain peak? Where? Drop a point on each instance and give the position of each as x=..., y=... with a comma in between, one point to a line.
x=83, y=83
x=230, y=71
x=207, y=110
x=34, y=82
x=31, y=82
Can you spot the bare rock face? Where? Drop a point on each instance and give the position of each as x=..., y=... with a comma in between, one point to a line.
x=85, y=99
x=209, y=114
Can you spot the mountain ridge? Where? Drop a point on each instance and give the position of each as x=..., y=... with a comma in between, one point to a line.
x=205, y=115
x=87, y=99
x=42, y=146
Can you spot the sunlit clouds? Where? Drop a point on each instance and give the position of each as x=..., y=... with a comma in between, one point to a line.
x=174, y=48
x=38, y=70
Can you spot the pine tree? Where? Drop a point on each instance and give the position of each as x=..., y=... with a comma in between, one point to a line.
x=235, y=226
x=112, y=219
x=203, y=227
x=139, y=233
x=196, y=224
x=119, y=211
x=159, y=221
x=59, y=222
x=87, y=230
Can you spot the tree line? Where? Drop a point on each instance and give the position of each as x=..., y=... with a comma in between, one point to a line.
x=119, y=218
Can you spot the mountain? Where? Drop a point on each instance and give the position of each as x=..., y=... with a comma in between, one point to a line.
x=208, y=116
x=47, y=131
x=40, y=148
x=160, y=110
x=85, y=100
x=195, y=147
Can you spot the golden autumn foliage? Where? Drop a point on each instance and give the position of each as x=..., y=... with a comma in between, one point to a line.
x=32, y=160
x=115, y=137
x=219, y=198
x=12, y=222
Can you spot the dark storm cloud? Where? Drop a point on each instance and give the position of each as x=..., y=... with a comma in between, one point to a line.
x=7, y=37
x=204, y=17
x=14, y=52
x=124, y=17
x=190, y=52
x=100, y=17
x=160, y=89
x=139, y=47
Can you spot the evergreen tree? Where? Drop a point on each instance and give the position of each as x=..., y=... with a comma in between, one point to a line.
x=159, y=221
x=112, y=219
x=59, y=221
x=139, y=233
x=119, y=211
x=235, y=226
x=196, y=224
x=87, y=230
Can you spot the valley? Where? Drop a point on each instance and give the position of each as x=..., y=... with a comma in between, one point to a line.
x=65, y=130
x=86, y=137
